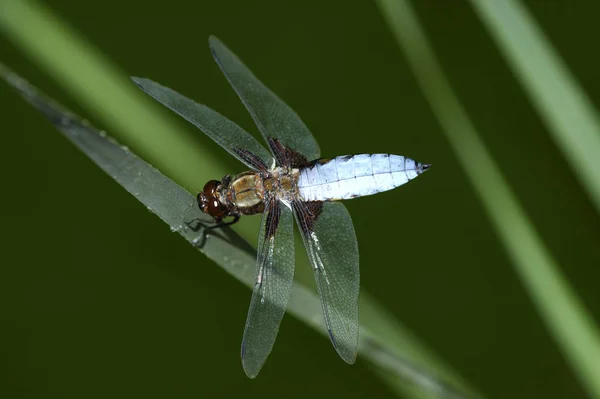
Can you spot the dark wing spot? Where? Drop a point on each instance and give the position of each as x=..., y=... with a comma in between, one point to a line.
x=296, y=159
x=315, y=208
x=251, y=159
x=308, y=213
x=278, y=150
x=286, y=156
x=272, y=219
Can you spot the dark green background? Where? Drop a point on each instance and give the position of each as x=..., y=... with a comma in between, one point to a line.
x=98, y=299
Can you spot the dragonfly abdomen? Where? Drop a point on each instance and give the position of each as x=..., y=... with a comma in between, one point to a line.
x=354, y=176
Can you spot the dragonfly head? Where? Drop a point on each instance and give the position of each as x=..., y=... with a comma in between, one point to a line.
x=208, y=201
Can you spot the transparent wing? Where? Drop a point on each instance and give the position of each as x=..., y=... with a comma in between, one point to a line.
x=274, y=277
x=274, y=118
x=227, y=134
x=329, y=238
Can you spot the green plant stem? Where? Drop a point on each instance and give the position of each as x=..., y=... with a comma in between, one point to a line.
x=562, y=103
x=565, y=316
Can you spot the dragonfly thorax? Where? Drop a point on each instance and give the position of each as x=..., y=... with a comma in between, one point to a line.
x=246, y=193
x=282, y=183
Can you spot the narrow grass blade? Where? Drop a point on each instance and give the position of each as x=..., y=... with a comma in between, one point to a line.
x=565, y=316
x=562, y=103
x=169, y=201
x=175, y=206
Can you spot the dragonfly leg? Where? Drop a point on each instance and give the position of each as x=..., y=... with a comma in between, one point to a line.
x=236, y=218
x=194, y=227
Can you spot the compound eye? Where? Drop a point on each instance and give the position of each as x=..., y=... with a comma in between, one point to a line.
x=208, y=201
x=214, y=208
x=211, y=187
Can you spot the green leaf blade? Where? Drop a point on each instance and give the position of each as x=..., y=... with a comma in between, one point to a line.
x=562, y=103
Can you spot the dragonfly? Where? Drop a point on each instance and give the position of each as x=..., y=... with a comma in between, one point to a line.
x=286, y=182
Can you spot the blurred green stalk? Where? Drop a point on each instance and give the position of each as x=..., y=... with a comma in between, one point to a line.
x=564, y=315
x=563, y=105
